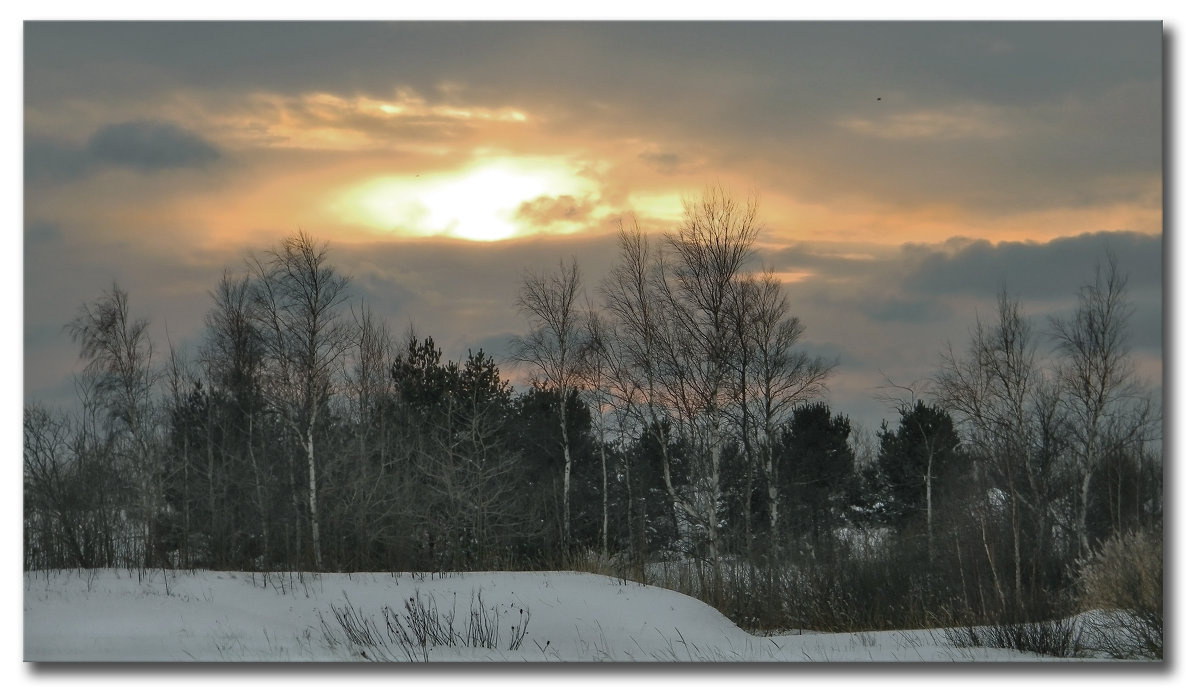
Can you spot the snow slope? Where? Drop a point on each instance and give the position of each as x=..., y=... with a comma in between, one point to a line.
x=111, y=615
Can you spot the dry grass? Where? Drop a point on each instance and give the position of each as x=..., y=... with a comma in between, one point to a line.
x=1125, y=577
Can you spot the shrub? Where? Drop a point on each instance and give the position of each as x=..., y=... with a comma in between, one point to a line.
x=410, y=636
x=1125, y=580
x=1061, y=637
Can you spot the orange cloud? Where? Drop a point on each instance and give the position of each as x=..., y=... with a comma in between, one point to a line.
x=327, y=121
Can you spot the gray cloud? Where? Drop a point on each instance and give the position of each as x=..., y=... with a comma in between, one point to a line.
x=41, y=233
x=829, y=259
x=378, y=289
x=904, y=310
x=498, y=346
x=49, y=162
x=145, y=146
x=970, y=269
x=831, y=352
x=150, y=146
x=1055, y=269
x=1003, y=61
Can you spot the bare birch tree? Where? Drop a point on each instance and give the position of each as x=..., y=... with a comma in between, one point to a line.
x=994, y=389
x=672, y=310
x=771, y=376
x=602, y=373
x=1106, y=407
x=698, y=284
x=119, y=360
x=554, y=348
x=298, y=299
x=639, y=345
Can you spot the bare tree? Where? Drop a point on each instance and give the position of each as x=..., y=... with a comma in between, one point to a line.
x=771, y=376
x=638, y=345
x=368, y=375
x=994, y=390
x=232, y=352
x=1106, y=407
x=637, y=321
x=59, y=528
x=677, y=344
x=602, y=375
x=698, y=286
x=232, y=355
x=632, y=335
x=119, y=361
x=673, y=335
x=554, y=348
x=367, y=495
x=297, y=304
x=179, y=381
x=119, y=355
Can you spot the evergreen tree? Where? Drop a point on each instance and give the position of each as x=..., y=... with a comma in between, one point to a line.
x=918, y=460
x=817, y=467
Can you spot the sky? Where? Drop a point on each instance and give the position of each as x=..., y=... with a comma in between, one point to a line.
x=905, y=172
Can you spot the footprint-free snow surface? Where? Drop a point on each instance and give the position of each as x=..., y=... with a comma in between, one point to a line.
x=113, y=615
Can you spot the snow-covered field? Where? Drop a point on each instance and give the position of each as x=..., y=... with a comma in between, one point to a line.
x=111, y=615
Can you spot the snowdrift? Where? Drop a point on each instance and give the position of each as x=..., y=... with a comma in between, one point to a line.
x=113, y=615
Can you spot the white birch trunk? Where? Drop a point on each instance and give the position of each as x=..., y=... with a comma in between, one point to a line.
x=312, y=494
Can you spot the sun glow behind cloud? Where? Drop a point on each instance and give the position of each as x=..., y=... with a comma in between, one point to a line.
x=477, y=203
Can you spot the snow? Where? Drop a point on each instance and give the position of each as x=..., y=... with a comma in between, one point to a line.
x=113, y=615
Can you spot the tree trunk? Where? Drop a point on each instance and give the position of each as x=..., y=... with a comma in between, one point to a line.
x=261, y=495
x=747, y=510
x=312, y=495
x=187, y=505
x=634, y=547
x=929, y=505
x=1016, y=531
x=562, y=422
x=772, y=477
x=603, y=496
x=714, y=501
x=216, y=538
x=1081, y=516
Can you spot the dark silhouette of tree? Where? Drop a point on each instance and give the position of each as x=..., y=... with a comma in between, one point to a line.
x=918, y=460
x=816, y=469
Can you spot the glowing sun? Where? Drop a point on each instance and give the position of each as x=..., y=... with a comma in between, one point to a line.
x=478, y=203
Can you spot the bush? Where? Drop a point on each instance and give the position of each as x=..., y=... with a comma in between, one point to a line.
x=1125, y=580
x=1055, y=637
x=410, y=636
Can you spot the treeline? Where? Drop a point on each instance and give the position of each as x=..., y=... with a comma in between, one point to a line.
x=670, y=421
